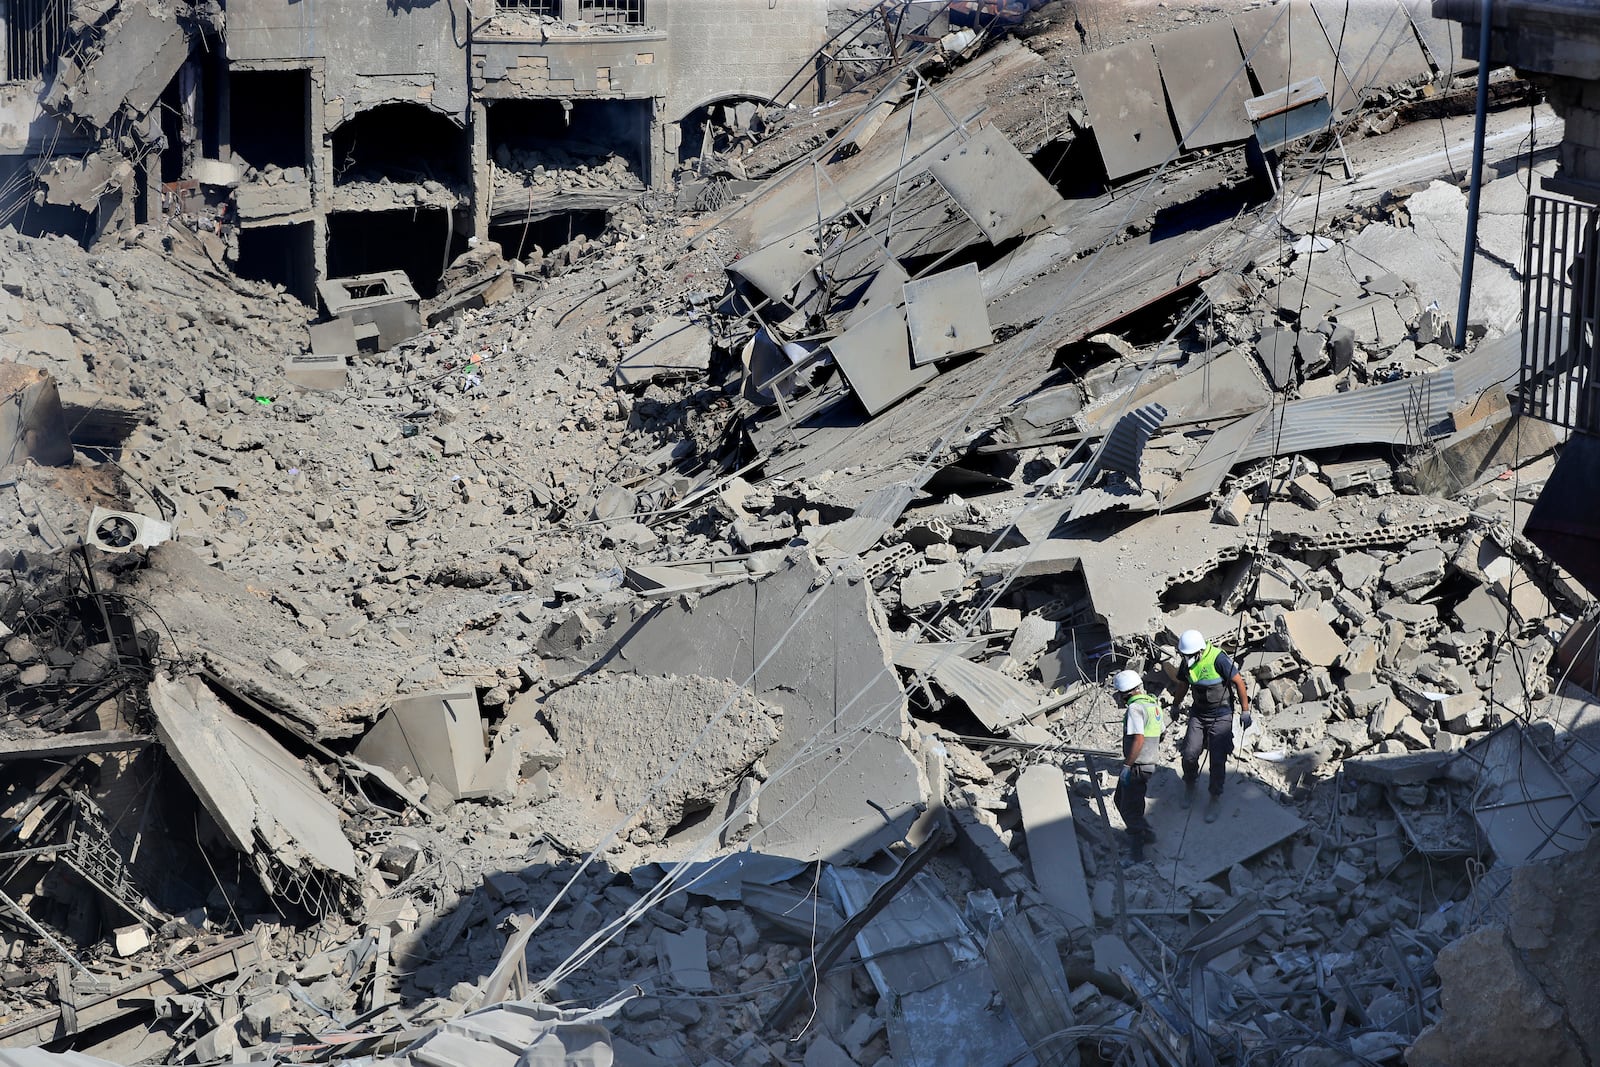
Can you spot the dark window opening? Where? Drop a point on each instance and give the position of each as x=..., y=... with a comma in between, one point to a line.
x=35, y=33
x=172, y=132
x=269, y=117
x=366, y=290
x=549, y=8
x=525, y=134
x=612, y=12
x=213, y=82
x=280, y=255
x=400, y=142
x=518, y=241
x=414, y=241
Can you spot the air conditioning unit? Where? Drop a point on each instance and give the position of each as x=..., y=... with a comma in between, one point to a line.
x=119, y=531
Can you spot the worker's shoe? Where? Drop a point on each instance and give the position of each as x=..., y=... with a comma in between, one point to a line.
x=1135, y=852
x=1147, y=835
x=1188, y=796
x=1213, y=808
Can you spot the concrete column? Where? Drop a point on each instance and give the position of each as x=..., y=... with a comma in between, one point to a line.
x=657, y=163
x=320, y=153
x=482, y=176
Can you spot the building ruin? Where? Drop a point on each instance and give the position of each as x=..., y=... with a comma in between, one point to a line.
x=598, y=532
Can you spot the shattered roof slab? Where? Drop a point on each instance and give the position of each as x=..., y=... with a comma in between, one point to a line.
x=258, y=795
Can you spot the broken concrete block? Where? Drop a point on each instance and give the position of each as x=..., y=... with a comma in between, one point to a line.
x=1310, y=637
x=1234, y=510
x=286, y=664
x=1462, y=713
x=683, y=959
x=1384, y=721
x=931, y=586
x=318, y=373
x=1413, y=733
x=1418, y=570
x=1482, y=610
x=1003, y=619
x=130, y=940
x=1347, y=877
x=437, y=737
x=1272, y=589
x=1311, y=492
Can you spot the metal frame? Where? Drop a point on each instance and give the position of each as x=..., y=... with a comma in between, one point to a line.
x=612, y=12
x=35, y=32
x=1561, y=313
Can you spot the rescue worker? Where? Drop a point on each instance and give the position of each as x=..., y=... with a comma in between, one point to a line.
x=1143, y=720
x=1207, y=670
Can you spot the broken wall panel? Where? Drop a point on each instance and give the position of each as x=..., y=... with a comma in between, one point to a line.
x=844, y=707
x=875, y=357
x=947, y=315
x=1122, y=89
x=1001, y=192
x=1206, y=81
x=259, y=796
x=142, y=51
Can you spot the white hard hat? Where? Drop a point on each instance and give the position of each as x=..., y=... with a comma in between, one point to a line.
x=1190, y=642
x=1126, y=681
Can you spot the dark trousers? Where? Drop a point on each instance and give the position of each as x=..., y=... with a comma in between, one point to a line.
x=1129, y=798
x=1213, y=734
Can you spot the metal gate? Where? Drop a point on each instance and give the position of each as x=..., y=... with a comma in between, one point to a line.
x=1561, y=313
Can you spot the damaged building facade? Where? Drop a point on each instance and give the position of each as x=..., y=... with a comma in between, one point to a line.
x=339, y=140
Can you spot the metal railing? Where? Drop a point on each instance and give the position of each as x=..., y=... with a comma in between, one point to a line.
x=612, y=12
x=1560, y=378
x=35, y=31
x=548, y=8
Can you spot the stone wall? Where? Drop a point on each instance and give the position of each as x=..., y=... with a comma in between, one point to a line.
x=723, y=48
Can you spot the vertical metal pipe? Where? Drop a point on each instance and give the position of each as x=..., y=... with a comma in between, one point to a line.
x=1470, y=252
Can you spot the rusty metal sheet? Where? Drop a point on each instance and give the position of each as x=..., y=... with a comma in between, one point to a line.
x=1376, y=44
x=1001, y=192
x=1206, y=81
x=1122, y=89
x=875, y=356
x=1285, y=44
x=947, y=315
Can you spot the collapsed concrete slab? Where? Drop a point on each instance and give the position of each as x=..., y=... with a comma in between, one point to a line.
x=623, y=732
x=816, y=645
x=437, y=737
x=259, y=796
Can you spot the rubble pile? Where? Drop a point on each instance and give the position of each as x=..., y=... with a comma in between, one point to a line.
x=692, y=647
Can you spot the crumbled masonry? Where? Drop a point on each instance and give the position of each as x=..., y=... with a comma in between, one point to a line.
x=598, y=533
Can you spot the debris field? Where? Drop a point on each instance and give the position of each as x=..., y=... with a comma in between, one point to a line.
x=689, y=642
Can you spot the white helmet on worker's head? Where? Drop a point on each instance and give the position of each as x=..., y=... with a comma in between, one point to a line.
x=1190, y=642
x=1126, y=681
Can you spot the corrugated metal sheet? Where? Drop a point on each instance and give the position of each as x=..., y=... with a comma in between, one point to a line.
x=1125, y=443
x=997, y=700
x=879, y=511
x=1395, y=413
